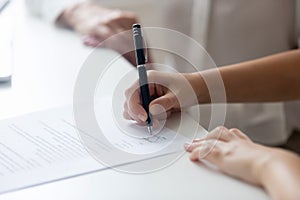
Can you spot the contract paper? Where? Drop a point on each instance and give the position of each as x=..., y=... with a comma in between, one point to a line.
x=44, y=146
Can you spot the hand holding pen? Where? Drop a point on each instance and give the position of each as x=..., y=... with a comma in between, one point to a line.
x=141, y=67
x=165, y=90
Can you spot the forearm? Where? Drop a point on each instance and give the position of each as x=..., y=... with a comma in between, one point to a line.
x=281, y=176
x=273, y=78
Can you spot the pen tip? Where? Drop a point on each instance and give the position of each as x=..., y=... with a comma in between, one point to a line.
x=150, y=130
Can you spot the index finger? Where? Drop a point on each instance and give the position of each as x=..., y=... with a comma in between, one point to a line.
x=133, y=101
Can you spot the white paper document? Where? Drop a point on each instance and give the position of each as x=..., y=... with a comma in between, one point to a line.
x=45, y=146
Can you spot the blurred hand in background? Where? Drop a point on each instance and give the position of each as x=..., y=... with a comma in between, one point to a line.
x=97, y=24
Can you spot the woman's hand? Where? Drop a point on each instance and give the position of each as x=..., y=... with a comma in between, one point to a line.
x=277, y=170
x=232, y=152
x=170, y=93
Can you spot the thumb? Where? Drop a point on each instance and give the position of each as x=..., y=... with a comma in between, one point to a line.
x=162, y=104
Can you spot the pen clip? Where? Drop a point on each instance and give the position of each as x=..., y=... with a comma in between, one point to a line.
x=145, y=47
x=145, y=51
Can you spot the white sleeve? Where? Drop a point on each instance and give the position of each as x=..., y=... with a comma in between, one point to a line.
x=49, y=9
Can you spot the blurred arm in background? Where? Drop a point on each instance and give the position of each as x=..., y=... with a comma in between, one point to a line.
x=94, y=22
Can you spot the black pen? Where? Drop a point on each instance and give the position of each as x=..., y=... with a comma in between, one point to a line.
x=141, y=66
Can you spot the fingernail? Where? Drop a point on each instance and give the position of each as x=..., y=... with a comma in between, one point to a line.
x=142, y=117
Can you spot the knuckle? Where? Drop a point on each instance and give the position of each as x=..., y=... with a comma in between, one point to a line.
x=216, y=151
x=118, y=15
x=217, y=129
x=220, y=128
x=234, y=130
x=129, y=15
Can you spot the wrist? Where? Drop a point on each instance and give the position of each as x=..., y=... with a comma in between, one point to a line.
x=261, y=166
x=283, y=167
x=279, y=161
x=199, y=86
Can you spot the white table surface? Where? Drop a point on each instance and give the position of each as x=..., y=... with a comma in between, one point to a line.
x=46, y=62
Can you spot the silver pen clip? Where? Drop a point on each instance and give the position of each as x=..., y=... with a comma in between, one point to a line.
x=145, y=46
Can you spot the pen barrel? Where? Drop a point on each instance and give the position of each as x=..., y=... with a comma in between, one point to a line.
x=139, y=46
x=144, y=89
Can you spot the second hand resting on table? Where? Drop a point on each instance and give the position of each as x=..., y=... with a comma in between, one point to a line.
x=274, y=78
